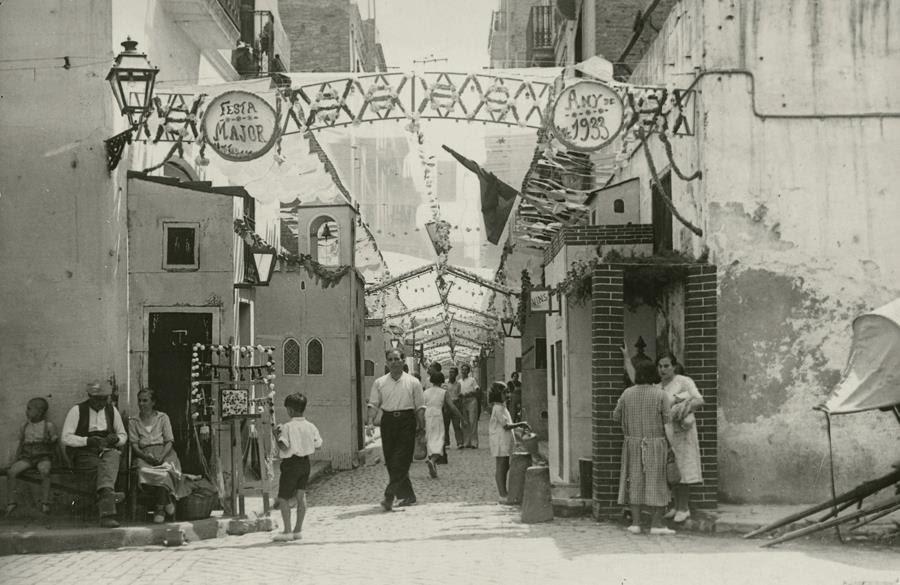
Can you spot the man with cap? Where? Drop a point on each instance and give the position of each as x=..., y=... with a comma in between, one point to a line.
x=94, y=433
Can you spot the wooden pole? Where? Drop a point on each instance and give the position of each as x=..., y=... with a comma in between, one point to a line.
x=858, y=493
x=892, y=504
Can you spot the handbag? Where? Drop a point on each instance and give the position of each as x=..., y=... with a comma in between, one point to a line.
x=421, y=450
x=673, y=476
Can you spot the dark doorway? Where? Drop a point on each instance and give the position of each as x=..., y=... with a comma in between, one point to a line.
x=560, y=415
x=359, y=396
x=662, y=217
x=169, y=374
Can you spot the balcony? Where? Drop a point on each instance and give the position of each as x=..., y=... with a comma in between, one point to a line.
x=258, y=54
x=539, y=36
x=210, y=24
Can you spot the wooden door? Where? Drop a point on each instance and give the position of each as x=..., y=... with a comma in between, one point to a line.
x=170, y=340
x=560, y=413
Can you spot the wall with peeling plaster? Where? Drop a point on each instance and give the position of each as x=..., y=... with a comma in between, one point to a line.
x=797, y=135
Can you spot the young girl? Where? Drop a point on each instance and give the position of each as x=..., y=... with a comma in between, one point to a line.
x=37, y=444
x=501, y=438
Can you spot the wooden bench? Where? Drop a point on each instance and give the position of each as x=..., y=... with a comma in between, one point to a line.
x=75, y=483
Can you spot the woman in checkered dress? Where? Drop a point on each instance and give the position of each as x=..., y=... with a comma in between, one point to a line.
x=644, y=411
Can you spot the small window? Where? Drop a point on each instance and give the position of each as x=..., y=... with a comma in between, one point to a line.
x=180, y=246
x=314, y=357
x=369, y=368
x=540, y=353
x=291, y=357
x=618, y=206
x=593, y=217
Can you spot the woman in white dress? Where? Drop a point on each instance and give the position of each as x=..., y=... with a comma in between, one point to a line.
x=436, y=399
x=685, y=443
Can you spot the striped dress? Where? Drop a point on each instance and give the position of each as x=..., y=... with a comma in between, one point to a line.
x=643, y=410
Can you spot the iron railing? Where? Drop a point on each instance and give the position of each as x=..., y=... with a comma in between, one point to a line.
x=539, y=35
x=233, y=9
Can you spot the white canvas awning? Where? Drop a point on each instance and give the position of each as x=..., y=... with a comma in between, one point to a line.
x=872, y=376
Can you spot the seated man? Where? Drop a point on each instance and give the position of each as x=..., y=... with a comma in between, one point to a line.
x=94, y=433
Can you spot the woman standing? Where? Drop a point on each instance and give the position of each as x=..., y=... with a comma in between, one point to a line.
x=643, y=410
x=436, y=400
x=685, y=399
x=159, y=471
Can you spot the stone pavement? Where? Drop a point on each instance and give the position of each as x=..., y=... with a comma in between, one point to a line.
x=457, y=533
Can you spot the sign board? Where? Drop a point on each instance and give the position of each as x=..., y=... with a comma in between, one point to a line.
x=587, y=115
x=240, y=126
x=543, y=300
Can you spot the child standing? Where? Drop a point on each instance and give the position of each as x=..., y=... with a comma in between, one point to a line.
x=37, y=443
x=297, y=440
x=501, y=438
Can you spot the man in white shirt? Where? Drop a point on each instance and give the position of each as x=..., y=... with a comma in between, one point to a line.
x=399, y=397
x=469, y=394
x=94, y=433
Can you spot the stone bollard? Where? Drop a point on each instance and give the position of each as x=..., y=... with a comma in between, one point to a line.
x=515, y=483
x=536, y=502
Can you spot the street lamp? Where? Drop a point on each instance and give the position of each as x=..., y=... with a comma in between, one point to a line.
x=509, y=327
x=395, y=343
x=132, y=79
x=264, y=258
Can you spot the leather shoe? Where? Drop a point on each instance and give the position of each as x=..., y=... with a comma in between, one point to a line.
x=406, y=502
x=109, y=522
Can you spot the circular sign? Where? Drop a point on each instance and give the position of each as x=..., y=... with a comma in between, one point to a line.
x=587, y=115
x=240, y=125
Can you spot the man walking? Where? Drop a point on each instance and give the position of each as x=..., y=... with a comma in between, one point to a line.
x=453, y=393
x=399, y=396
x=468, y=391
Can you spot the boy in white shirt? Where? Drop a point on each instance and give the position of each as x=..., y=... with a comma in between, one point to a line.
x=297, y=440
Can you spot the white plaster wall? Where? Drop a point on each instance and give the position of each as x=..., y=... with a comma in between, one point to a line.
x=62, y=240
x=797, y=137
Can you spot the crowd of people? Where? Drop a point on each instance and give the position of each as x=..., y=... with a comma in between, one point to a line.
x=660, y=451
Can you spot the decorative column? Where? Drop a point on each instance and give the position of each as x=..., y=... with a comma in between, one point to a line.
x=701, y=364
x=608, y=331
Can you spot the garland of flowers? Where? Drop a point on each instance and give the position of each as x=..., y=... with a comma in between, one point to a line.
x=644, y=278
x=202, y=403
x=323, y=275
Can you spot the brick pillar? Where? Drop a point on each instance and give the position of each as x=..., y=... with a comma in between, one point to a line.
x=701, y=364
x=607, y=334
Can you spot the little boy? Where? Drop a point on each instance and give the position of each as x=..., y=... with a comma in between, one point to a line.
x=297, y=440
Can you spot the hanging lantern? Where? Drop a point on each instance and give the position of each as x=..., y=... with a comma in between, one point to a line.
x=131, y=79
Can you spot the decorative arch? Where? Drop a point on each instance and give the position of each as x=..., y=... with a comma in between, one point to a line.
x=290, y=357
x=315, y=357
x=325, y=241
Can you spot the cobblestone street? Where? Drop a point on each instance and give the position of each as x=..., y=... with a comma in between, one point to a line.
x=457, y=533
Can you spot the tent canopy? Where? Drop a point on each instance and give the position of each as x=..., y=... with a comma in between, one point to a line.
x=872, y=376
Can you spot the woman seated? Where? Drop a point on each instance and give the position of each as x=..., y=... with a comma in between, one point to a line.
x=159, y=471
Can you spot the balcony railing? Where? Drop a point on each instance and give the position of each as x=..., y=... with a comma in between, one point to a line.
x=233, y=9
x=256, y=54
x=539, y=35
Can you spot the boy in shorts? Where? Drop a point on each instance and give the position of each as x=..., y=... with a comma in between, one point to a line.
x=297, y=440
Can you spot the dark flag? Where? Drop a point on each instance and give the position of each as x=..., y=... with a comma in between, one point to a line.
x=497, y=197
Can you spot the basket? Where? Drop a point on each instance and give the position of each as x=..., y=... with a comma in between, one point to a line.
x=195, y=506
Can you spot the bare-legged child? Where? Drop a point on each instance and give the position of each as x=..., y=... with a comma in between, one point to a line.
x=297, y=440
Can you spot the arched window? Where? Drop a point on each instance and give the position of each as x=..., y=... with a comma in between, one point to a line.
x=618, y=206
x=369, y=368
x=290, y=359
x=314, y=357
x=325, y=241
